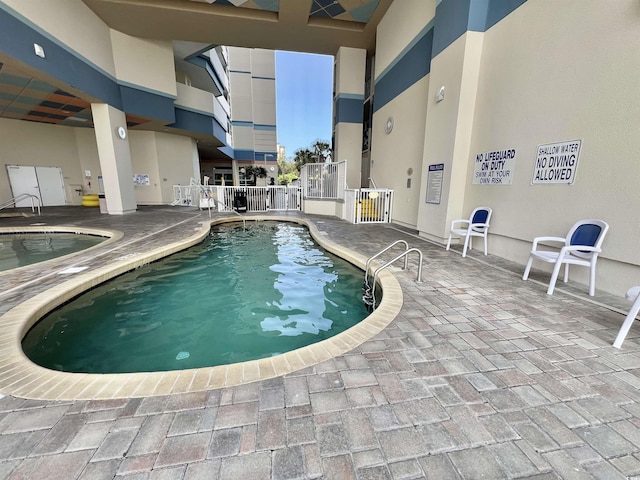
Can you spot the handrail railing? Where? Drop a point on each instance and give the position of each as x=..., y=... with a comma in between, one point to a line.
x=219, y=203
x=21, y=197
x=369, y=296
x=366, y=268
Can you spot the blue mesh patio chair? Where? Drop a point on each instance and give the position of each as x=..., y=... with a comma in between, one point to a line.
x=476, y=226
x=582, y=246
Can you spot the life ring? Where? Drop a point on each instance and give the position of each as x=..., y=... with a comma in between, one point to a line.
x=90, y=200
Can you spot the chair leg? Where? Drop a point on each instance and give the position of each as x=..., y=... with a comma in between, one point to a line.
x=449, y=242
x=566, y=272
x=554, y=277
x=592, y=278
x=628, y=321
x=466, y=245
x=485, y=244
x=527, y=268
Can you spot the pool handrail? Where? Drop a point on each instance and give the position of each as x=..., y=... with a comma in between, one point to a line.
x=21, y=197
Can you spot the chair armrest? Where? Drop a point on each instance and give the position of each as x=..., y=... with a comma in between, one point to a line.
x=546, y=239
x=453, y=222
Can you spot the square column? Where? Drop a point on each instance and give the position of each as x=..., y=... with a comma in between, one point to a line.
x=350, y=67
x=112, y=138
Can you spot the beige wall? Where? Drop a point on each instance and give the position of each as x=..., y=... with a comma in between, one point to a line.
x=37, y=144
x=448, y=132
x=350, y=64
x=394, y=154
x=177, y=162
x=144, y=161
x=167, y=159
x=145, y=63
x=401, y=24
x=547, y=73
x=349, y=72
x=74, y=24
x=578, y=82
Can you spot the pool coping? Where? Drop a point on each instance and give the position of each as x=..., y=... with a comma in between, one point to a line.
x=111, y=236
x=22, y=378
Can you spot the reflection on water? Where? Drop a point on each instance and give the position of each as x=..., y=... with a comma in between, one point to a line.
x=20, y=249
x=242, y=294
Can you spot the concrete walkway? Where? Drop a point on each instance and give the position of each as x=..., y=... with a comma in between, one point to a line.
x=481, y=376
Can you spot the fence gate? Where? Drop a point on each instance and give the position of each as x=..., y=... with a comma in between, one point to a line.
x=369, y=205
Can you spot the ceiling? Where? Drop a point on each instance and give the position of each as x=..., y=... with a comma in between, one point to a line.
x=312, y=26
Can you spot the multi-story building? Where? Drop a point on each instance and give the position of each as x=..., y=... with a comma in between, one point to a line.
x=527, y=106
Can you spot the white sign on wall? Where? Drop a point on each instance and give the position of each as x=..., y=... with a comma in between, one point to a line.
x=557, y=163
x=434, y=182
x=141, y=180
x=494, y=168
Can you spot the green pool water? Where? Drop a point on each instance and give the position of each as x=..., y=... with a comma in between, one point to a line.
x=20, y=249
x=240, y=295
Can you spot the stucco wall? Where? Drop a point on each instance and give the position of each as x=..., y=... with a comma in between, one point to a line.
x=54, y=146
x=553, y=72
x=73, y=24
x=547, y=73
x=395, y=154
x=144, y=63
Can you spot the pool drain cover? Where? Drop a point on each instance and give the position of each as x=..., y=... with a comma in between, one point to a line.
x=182, y=355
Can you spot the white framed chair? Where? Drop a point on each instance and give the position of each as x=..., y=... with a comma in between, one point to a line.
x=476, y=226
x=633, y=295
x=582, y=245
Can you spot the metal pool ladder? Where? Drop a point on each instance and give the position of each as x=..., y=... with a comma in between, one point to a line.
x=369, y=290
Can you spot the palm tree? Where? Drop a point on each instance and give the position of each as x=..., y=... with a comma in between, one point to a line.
x=254, y=172
x=322, y=151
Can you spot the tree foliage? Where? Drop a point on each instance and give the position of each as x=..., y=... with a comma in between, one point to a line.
x=318, y=152
x=255, y=171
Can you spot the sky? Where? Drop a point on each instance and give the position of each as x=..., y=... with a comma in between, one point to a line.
x=304, y=98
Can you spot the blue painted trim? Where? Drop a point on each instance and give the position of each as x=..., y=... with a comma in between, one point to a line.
x=205, y=64
x=264, y=127
x=145, y=104
x=412, y=67
x=195, y=122
x=407, y=49
x=28, y=23
x=349, y=110
x=264, y=78
x=456, y=17
x=200, y=52
x=237, y=123
x=239, y=71
x=18, y=37
x=140, y=88
x=243, y=155
x=227, y=151
x=500, y=9
x=351, y=96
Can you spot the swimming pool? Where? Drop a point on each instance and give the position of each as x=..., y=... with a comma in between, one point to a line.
x=20, y=249
x=243, y=294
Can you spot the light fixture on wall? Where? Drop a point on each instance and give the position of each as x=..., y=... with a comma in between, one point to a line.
x=389, y=125
x=440, y=94
x=122, y=133
x=39, y=51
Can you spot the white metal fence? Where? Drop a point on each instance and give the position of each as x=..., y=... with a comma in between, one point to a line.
x=240, y=199
x=323, y=180
x=368, y=205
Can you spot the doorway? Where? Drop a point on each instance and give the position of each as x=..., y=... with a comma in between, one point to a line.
x=44, y=182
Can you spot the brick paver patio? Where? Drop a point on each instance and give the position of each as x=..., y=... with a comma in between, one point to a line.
x=481, y=376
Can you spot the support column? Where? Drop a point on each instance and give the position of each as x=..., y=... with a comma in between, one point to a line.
x=112, y=139
x=350, y=67
x=449, y=123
